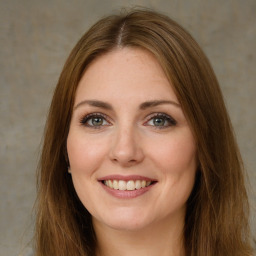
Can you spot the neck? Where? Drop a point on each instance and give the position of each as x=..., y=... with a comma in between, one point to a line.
x=157, y=239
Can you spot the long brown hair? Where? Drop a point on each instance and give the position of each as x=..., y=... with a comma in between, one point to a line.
x=217, y=211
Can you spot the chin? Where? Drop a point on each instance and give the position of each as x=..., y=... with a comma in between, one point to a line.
x=124, y=220
x=127, y=225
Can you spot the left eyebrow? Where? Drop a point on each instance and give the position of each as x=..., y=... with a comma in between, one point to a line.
x=94, y=103
x=154, y=103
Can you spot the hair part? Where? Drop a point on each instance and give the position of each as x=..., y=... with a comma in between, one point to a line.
x=217, y=211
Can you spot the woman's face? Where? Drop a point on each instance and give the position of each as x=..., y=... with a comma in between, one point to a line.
x=131, y=151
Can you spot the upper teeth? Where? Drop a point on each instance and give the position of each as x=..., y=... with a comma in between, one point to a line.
x=126, y=185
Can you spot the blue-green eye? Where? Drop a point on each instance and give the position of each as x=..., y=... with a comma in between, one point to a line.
x=94, y=121
x=161, y=120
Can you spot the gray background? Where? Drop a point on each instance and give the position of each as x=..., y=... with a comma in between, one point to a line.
x=37, y=36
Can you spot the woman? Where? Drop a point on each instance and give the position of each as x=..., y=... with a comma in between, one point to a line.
x=139, y=156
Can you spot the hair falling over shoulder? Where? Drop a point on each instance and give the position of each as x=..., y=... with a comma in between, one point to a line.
x=217, y=211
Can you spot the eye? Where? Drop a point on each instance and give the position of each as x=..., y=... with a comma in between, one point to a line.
x=95, y=120
x=160, y=121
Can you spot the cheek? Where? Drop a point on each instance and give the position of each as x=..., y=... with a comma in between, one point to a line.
x=178, y=163
x=176, y=158
x=84, y=154
x=176, y=154
x=85, y=157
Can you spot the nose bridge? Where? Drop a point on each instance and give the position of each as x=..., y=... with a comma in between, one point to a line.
x=126, y=148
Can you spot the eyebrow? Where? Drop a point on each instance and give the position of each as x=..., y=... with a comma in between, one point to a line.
x=154, y=103
x=94, y=103
x=143, y=106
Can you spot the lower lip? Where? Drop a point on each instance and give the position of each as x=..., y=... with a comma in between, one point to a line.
x=126, y=194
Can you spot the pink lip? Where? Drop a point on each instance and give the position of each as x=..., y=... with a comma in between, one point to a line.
x=126, y=194
x=125, y=178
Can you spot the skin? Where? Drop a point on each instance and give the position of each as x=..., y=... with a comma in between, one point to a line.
x=126, y=142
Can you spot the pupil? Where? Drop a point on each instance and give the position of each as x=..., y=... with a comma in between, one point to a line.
x=159, y=121
x=97, y=121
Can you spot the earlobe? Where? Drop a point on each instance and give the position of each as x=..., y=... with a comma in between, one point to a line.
x=69, y=171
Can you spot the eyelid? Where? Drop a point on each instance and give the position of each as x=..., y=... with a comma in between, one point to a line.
x=167, y=117
x=86, y=117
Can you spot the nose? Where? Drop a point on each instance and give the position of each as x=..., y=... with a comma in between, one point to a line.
x=126, y=149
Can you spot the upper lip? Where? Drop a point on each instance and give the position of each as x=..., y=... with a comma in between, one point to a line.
x=126, y=178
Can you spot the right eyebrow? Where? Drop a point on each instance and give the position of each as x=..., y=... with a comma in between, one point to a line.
x=154, y=103
x=94, y=103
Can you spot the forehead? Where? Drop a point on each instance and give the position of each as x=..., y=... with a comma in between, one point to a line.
x=125, y=73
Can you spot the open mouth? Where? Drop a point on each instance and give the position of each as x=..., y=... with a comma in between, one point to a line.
x=129, y=185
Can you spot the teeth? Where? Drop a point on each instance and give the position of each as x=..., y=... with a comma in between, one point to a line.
x=130, y=185
x=137, y=184
x=122, y=185
x=115, y=184
x=127, y=185
x=110, y=183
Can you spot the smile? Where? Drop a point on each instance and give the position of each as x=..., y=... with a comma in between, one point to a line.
x=127, y=185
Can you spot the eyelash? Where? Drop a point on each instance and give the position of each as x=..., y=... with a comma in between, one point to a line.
x=84, y=120
x=165, y=117
x=171, y=122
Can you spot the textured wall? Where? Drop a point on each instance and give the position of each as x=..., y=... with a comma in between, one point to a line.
x=36, y=37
